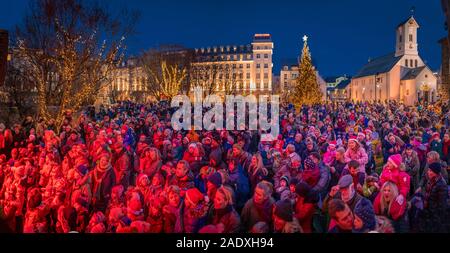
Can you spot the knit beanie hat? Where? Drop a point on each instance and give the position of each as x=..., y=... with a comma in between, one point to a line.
x=364, y=210
x=309, y=164
x=436, y=168
x=82, y=169
x=284, y=210
x=396, y=160
x=98, y=229
x=286, y=179
x=194, y=195
x=215, y=179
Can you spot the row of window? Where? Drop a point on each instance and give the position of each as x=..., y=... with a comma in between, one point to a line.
x=266, y=65
x=412, y=64
x=258, y=56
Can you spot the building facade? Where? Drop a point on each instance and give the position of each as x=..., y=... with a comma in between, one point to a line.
x=337, y=88
x=243, y=69
x=4, y=39
x=402, y=76
x=445, y=50
x=289, y=76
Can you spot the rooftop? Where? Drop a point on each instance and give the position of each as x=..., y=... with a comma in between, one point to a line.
x=379, y=65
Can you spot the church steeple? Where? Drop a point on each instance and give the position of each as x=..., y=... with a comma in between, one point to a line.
x=407, y=37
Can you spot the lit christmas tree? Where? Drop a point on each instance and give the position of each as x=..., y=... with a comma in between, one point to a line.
x=307, y=90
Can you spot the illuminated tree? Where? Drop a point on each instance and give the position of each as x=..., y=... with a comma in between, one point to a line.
x=166, y=81
x=69, y=48
x=306, y=90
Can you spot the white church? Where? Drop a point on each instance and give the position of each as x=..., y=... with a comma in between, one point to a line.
x=400, y=76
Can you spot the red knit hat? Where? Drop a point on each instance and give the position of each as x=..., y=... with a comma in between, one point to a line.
x=332, y=143
x=353, y=138
x=396, y=160
x=194, y=195
x=135, y=207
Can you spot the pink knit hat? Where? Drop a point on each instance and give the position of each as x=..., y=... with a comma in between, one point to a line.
x=396, y=160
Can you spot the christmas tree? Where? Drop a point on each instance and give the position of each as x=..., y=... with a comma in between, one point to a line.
x=307, y=90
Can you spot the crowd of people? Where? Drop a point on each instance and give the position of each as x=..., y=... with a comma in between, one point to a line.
x=337, y=168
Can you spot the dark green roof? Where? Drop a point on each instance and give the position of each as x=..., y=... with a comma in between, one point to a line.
x=379, y=65
x=413, y=73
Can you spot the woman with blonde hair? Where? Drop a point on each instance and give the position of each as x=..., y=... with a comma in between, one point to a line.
x=151, y=162
x=257, y=172
x=223, y=211
x=390, y=205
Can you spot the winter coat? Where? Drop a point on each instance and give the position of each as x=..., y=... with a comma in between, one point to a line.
x=437, y=146
x=171, y=215
x=292, y=227
x=192, y=219
x=149, y=167
x=424, y=178
x=252, y=213
x=339, y=168
x=240, y=183
x=184, y=183
x=322, y=185
x=256, y=175
x=396, y=212
x=435, y=213
x=445, y=151
x=228, y=217
x=399, y=178
x=359, y=155
x=304, y=212
x=122, y=168
x=412, y=167
x=101, y=188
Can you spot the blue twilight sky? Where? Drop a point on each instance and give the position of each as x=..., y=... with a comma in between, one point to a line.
x=343, y=34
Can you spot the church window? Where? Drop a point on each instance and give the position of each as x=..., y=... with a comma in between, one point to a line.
x=411, y=62
x=400, y=38
x=417, y=63
x=406, y=62
x=410, y=38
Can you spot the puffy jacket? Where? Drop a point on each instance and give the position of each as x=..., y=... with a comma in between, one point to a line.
x=400, y=178
x=396, y=209
x=228, y=217
x=359, y=155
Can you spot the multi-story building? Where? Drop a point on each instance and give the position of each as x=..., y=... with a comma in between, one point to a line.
x=402, y=76
x=242, y=69
x=337, y=88
x=289, y=75
x=445, y=49
x=3, y=54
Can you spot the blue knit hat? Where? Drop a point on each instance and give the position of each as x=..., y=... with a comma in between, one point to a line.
x=215, y=179
x=364, y=210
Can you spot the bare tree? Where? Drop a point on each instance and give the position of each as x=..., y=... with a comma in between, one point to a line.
x=70, y=47
x=167, y=69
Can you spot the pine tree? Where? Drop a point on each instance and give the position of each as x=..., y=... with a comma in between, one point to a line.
x=307, y=90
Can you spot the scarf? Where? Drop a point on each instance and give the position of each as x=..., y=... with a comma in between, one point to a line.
x=98, y=180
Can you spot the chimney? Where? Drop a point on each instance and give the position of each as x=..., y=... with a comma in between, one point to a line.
x=3, y=54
